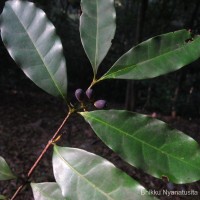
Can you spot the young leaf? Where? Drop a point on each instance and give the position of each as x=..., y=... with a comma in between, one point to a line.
x=97, y=29
x=83, y=175
x=31, y=41
x=5, y=171
x=46, y=191
x=148, y=143
x=157, y=56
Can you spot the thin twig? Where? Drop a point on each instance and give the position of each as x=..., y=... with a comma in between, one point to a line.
x=32, y=169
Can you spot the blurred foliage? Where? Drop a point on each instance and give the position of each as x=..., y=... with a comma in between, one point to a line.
x=159, y=94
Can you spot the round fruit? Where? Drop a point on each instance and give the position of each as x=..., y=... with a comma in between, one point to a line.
x=79, y=94
x=100, y=104
x=89, y=92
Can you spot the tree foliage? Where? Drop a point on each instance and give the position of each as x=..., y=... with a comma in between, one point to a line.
x=144, y=142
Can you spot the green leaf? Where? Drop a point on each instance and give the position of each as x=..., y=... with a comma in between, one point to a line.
x=97, y=29
x=157, y=56
x=31, y=41
x=2, y=197
x=85, y=176
x=46, y=191
x=148, y=143
x=5, y=171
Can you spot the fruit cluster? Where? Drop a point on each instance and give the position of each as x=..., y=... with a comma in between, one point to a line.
x=79, y=94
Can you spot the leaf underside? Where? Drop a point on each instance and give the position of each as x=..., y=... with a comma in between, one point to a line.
x=31, y=41
x=97, y=29
x=84, y=176
x=156, y=56
x=148, y=143
x=46, y=191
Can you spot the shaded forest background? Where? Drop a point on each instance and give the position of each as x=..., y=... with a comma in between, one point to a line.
x=177, y=93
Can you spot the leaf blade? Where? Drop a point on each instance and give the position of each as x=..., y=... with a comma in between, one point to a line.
x=31, y=41
x=5, y=171
x=156, y=56
x=148, y=144
x=2, y=197
x=97, y=29
x=87, y=176
x=46, y=191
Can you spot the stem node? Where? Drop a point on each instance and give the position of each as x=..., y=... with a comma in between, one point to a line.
x=53, y=140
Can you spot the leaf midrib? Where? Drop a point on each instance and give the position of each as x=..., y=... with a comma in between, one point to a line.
x=97, y=36
x=44, y=64
x=79, y=174
x=111, y=75
x=141, y=141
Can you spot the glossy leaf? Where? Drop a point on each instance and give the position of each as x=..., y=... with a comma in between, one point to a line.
x=97, y=29
x=157, y=56
x=84, y=176
x=148, y=143
x=46, y=191
x=5, y=171
x=31, y=41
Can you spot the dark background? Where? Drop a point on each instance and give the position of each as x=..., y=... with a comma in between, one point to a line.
x=29, y=116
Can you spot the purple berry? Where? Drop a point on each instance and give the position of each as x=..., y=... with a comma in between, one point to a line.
x=89, y=92
x=100, y=104
x=79, y=94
